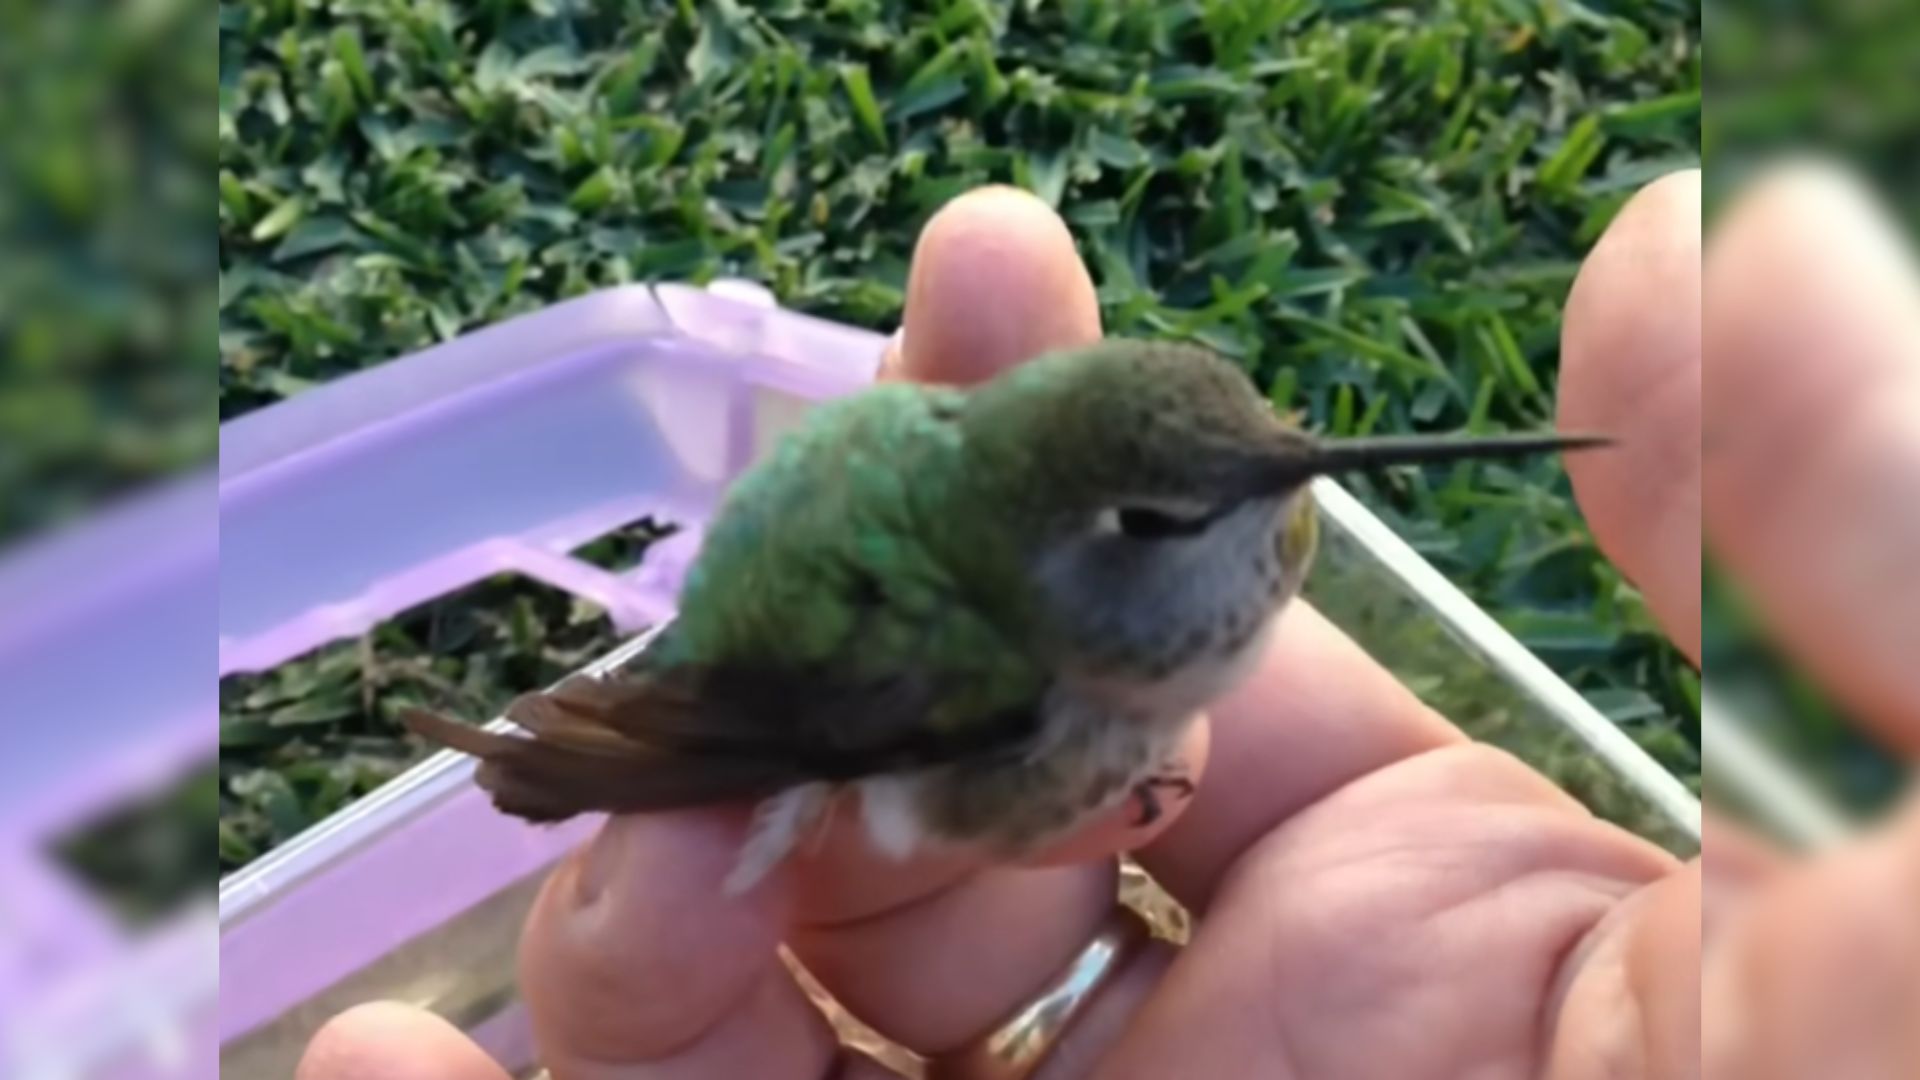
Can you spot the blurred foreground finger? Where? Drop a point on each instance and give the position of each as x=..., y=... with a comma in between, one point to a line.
x=1813, y=433
x=1818, y=974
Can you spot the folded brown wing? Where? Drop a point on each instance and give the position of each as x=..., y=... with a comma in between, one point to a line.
x=575, y=763
x=654, y=742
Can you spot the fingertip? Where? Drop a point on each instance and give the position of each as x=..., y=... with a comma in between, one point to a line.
x=1807, y=276
x=1642, y=961
x=1631, y=367
x=892, y=367
x=996, y=281
x=385, y=1040
x=1817, y=191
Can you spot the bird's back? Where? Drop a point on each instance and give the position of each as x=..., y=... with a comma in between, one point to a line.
x=806, y=535
x=841, y=578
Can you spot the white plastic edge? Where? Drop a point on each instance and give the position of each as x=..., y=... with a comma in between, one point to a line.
x=389, y=806
x=1765, y=783
x=1505, y=653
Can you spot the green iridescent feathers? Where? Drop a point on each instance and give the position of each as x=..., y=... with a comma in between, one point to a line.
x=841, y=557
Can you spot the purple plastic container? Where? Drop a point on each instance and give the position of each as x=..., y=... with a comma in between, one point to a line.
x=104, y=653
x=498, y=452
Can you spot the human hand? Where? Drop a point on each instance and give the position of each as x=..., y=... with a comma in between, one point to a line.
x=1376, y=895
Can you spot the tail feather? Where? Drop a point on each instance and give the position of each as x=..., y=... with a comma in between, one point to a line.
x=571, y=767
x=549, y=719
x=455, y=735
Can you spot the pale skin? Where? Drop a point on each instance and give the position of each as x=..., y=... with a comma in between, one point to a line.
x=1377, y=896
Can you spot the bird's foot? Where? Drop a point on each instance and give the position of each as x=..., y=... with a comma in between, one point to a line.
x=1146, y=791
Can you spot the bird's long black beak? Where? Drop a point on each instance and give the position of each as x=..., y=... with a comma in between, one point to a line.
x=1335, y=456
x=1300, y=459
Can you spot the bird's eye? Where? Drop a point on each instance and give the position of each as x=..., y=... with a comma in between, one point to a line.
x=1153, y=523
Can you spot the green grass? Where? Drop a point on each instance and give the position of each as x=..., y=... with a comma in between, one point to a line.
x=301, y=741
x=1376, y=208
x=107, y=293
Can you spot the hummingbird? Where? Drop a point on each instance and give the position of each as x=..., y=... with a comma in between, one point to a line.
x=989, y=612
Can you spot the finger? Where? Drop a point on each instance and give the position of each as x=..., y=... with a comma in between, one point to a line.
x=1819, y=973
x=995, y=281
x=634, y=963
x=390, y=1041
x=1631, y=1004
x=1737, y=855
x=1813, y=434
x=1315, y=715
x=937, y=973
x=1630, y=367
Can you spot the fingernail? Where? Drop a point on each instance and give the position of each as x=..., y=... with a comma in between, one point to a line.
x=893, y=357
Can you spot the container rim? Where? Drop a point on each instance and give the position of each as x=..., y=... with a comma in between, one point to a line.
x=435, y=779
x=1501, y=649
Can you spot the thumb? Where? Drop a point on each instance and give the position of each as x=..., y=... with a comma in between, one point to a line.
x=995, y=282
